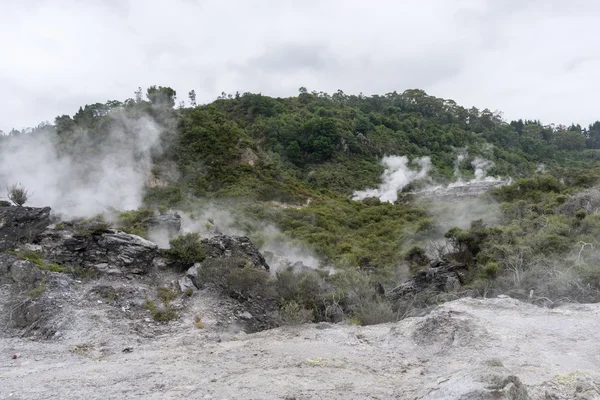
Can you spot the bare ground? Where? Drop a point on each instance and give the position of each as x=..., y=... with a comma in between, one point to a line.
x=448, y=354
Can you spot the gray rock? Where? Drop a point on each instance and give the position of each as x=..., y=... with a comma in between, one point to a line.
x=6, y=262
x=21, y=224
x=235, y=247
x=478, y=384
x=192, y=274
x=246, y=315
x=25, y=272
x=186, y=284
x=441, y=276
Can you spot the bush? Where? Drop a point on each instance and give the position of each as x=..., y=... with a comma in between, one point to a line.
x=248, y=282
x=161, y=313
x=235, y=277
x=186, y=250
x=135, y=221
x=372, y=312
x=292, y=313
x=17, y=194
x=491, y=270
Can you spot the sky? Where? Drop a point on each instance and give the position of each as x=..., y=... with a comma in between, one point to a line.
x=534, y=59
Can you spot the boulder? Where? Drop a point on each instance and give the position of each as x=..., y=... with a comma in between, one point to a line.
x=484, y=383
x=220, y=246
x=441, y=276
x=192, y=275
x=21, y=272
x=19, y=224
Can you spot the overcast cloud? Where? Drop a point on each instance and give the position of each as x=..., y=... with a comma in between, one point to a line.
x=534, y=59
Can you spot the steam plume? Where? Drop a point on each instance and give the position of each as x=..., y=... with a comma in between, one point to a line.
x=395, y=177
x=106, y=173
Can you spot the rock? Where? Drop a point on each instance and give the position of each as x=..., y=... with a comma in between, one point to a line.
x=25, y=272
x=236, y=247
x=6, y=262
x=171, y=222
x=484, y=383
x=192, y=274
x=186, y=284
x=246, y=315
x=108, y=250
x=441, y=276
x=21, y=224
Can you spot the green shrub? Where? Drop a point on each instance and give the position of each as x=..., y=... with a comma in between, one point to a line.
x=491, y=270
x=166, y=294
x=248, y=282
x=36, y=258
x=162, y=313
x=41, y=288
x=292, y=313
x=92, y=226
x=186, y=250
x=135, y=221
x=236, y=278
x=373, y=311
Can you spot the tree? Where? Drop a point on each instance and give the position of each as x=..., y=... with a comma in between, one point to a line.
x=192, y=96
x=138, y=95
x=17, y=194
x=161, y=96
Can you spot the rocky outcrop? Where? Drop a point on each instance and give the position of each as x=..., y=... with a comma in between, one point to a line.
x=241, y=247
x=440, y=276
x=109, y=251
x=21, y=224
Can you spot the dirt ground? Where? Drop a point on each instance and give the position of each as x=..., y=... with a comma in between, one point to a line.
x=554, y=352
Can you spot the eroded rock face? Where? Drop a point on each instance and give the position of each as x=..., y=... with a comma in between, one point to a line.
x=112, y=252
x=21, y=224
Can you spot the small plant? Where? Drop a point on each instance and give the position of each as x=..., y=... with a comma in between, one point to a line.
x=292, y=313
x=17, y=194
x=164, y=312
x=36, y=258
x=160, y=313
x=166, y=294
x=198, y=322
x=92, y=226
x=135, y=221
x=84, y=272
x=373, y=312
x=189, y=292
x=41, y=288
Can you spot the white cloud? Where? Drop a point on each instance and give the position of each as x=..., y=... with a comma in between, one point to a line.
x=530, y=59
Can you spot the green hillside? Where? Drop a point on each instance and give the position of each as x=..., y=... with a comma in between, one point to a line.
x=293, y=163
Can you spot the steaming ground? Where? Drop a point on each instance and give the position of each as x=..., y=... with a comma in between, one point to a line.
x=105, y=173
x=449, y=354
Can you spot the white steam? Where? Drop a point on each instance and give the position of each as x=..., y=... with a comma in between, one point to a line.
x=481, y=167
x=396, y=176
x=106, y=173
x=211, y=220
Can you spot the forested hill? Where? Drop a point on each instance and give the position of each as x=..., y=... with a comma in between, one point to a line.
x=267, y=148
